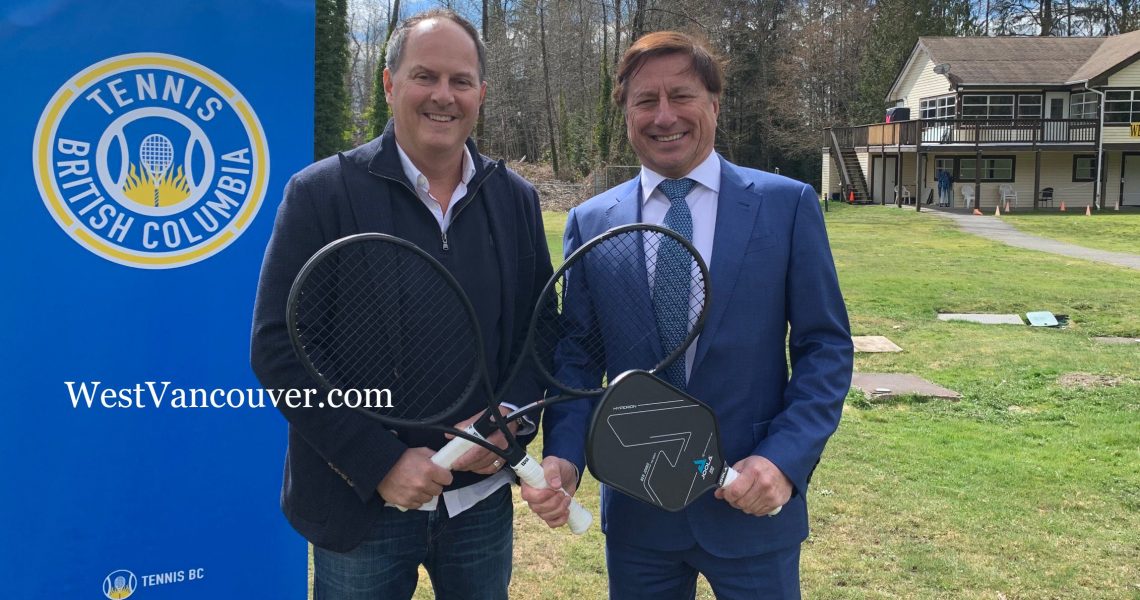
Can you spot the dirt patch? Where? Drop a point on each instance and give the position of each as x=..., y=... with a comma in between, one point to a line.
x=553, y=193
x=1088, y=380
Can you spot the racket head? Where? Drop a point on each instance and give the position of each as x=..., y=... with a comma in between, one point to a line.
x=604, y=305
x=654, y=442
x=374, y=312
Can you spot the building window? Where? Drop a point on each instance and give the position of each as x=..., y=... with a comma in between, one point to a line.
x=987, y=106
x=1029, y=106
x=943, y=164
x=1121, y=106
x=994, y=168
x=1083, y=106
x=938, y=108
x=1084, y=168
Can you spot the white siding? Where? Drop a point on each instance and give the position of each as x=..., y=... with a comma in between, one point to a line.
x=928, y=85
x=825, y=182
x=1056, y=172
x=1112, y=163
x=1119, y=134
x=1127, y=77
x=865, y=164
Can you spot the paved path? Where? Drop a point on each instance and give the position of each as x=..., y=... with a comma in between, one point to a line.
x=998, y=230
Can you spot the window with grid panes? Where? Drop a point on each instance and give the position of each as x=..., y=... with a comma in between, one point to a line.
x=1121, y=106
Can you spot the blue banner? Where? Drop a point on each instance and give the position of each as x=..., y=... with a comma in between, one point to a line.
x=145, y=148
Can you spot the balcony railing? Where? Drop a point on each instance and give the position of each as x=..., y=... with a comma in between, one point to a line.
x=983, y=132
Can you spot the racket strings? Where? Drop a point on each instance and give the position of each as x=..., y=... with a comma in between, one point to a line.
x=607, y=314
x=376, y=315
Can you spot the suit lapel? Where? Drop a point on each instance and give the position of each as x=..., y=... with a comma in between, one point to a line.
x=738, y=206
x=626, y=210
x=627, y=205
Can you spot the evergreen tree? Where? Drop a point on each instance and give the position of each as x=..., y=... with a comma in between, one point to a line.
x=379, y=116
x=331, y=118
x=603, y=129
x=894, y=33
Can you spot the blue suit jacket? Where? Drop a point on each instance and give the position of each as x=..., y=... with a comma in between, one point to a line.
x=774, y=288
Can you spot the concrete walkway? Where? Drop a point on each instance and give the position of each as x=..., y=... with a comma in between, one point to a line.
x=998, y=230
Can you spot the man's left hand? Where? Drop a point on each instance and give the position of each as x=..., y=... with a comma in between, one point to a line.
x=479, y=459
x=760, y=488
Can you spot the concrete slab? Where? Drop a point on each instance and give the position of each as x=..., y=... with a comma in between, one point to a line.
x=886, y=386
x=1117, y=340
x=984, y=319
x=874, y=343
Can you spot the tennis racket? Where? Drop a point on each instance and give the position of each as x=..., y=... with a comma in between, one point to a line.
x=605, y=324
x=374, y=312
x=656, y=443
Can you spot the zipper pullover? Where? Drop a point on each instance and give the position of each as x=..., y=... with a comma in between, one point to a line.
x=476, y=184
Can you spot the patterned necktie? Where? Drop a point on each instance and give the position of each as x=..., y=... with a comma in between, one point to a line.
x=673, y=277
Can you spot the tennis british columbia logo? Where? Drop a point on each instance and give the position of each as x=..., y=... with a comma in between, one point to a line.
x=151, y=160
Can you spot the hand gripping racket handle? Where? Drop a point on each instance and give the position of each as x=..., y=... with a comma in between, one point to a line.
x=447, y=455
x=730, y=476
x=530, y=472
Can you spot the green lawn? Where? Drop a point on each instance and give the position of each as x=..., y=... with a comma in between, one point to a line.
x=1105, y=230
x=1025, y=488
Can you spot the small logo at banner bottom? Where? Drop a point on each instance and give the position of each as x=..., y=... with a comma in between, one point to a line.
x=120, y=584
x=151, y=160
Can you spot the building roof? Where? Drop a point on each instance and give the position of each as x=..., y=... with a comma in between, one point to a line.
x=1113, y=54
x=1014, y=60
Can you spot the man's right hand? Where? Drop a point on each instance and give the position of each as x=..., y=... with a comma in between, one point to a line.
x=551, y=504
x=414, y=479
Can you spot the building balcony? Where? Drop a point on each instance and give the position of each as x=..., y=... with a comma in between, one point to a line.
x=968, y=134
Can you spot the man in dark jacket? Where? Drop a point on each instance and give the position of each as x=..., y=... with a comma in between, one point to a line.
x=422, y=180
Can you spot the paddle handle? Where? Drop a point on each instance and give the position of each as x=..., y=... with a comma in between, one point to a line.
x=730, y=476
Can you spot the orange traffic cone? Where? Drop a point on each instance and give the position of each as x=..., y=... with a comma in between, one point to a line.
x=1088, y=210
x=1062, y=206
x=977, y=212
x=1007, y=206
x=851, y=197
x=997, y=211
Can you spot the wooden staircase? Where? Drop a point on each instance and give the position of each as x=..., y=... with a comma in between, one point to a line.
x=849, y=169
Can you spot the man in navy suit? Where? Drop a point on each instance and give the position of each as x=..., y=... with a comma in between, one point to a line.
x=425, y=181
x=775, y=297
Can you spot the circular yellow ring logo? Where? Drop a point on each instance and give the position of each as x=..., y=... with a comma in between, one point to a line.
x=151, y=160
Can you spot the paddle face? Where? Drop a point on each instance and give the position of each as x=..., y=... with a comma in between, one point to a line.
x=654, y=442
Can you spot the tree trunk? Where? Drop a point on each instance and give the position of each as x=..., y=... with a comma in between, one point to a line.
x=546, y=83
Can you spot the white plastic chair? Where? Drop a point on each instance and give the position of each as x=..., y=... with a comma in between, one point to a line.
x=968, y=195
x=905, y=194
x=1007, y=193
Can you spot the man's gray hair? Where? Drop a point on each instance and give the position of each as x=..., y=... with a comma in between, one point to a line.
x=399, y=37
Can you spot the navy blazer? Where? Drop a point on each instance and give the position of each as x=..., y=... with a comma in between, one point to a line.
x=774, y=288
x=336, y=458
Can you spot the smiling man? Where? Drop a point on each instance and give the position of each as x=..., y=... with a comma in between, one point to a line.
x=422, y=180
x=774, y=296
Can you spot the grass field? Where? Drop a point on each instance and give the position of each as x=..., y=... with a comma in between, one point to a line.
x=1104, y=230
x=1028, y=487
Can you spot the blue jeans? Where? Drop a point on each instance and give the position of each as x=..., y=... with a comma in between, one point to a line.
x=467, y=557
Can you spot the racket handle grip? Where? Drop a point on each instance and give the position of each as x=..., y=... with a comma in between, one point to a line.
x=452, y=450
x=530, y=472
x=730, y=476
x=447, y=455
